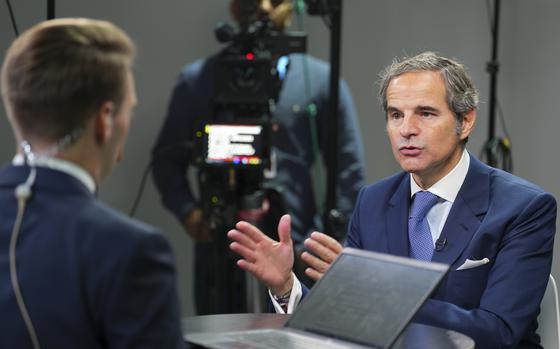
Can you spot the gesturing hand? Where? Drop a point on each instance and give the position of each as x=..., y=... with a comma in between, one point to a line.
x=268, y=260
x=324, y=250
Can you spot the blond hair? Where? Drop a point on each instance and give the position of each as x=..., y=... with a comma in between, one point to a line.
x=58, y=73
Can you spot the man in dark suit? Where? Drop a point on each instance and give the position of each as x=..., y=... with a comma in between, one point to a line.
x=73, y=272
x=300, y=119
x=495, y=230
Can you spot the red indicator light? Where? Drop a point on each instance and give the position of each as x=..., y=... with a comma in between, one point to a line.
x=250, y=56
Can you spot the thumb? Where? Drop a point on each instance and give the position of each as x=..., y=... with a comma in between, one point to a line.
x=285, y=229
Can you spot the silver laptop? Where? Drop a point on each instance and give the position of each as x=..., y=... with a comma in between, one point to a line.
x=365, y=300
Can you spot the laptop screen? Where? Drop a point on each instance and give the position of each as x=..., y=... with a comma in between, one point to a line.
x=367, y=297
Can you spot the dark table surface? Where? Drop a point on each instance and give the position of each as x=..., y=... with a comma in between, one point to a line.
x=415, y=336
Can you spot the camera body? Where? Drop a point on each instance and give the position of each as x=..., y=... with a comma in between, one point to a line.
x=234, y=142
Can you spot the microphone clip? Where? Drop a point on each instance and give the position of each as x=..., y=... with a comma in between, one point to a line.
x=440, y=244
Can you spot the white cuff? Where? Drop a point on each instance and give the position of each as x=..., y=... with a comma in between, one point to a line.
x=295, y=297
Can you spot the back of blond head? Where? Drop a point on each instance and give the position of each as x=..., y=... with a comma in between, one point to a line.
x=58, y=73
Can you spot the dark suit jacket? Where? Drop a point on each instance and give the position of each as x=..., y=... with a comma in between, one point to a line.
x=90, y=277
x=497, y=216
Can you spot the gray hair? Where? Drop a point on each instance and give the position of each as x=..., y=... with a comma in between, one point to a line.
x=462, y=95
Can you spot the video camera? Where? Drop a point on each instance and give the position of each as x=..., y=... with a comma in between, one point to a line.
x=235, y=140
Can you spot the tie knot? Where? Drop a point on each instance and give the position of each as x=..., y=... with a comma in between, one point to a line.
x=422, y=202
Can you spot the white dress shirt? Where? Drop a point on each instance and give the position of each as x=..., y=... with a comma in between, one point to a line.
x=62, y=166
x=446, y=188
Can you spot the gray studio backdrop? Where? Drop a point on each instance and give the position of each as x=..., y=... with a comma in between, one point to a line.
x=173, y=32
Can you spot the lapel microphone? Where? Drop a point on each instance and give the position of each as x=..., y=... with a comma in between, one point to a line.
x=440, y=244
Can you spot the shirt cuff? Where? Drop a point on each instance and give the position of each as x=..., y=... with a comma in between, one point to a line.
x=295, y=298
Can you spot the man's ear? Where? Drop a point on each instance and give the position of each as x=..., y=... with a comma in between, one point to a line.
x=469, y=120
x=103, y=123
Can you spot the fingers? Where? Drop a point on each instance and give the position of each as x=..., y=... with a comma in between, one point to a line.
x=266, y=259
x=247, y=253
x=313, y=274
x=241, y=238
x=249, y=235
x=323, y=246
x=251, y=231
x=324, y=250
x=327, y=241
x=250, y=267
x=285, y=229
x=315, y=263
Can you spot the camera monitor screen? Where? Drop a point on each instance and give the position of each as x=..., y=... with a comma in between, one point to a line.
x=234, y=144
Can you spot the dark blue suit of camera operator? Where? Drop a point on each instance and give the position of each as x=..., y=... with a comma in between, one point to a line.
x=291, y=143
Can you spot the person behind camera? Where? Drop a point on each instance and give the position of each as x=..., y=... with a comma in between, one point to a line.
x=495, y=230
x=304, y=86
x=75, y=273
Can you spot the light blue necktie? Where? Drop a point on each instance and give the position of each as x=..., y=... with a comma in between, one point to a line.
x=419, y=235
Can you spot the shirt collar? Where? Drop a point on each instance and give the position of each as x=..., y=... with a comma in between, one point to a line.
x=62, y=166
x=448, y=187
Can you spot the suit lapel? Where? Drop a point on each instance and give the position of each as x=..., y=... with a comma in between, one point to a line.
x=397, y=219
x=466, y=214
